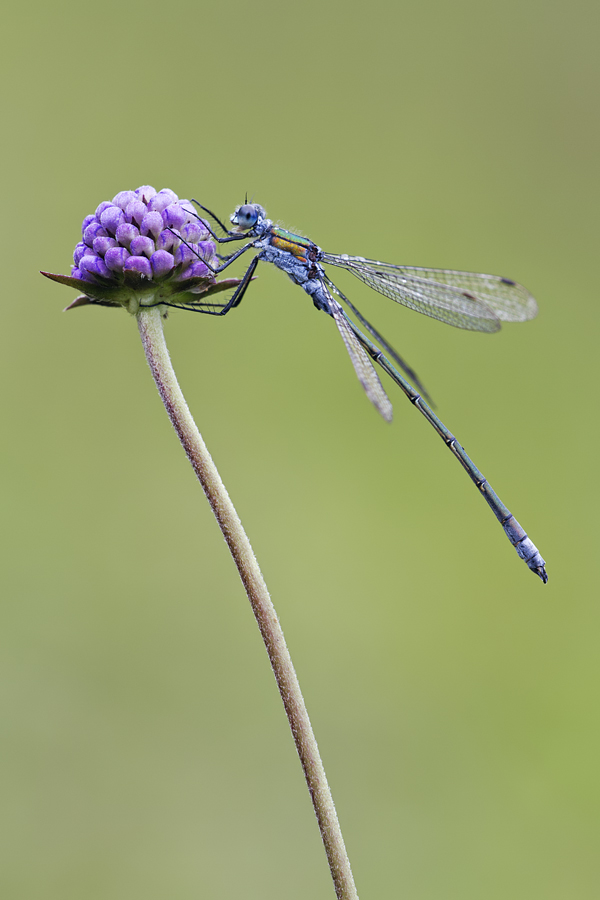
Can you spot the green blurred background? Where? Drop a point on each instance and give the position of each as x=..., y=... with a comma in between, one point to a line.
x=455, y=698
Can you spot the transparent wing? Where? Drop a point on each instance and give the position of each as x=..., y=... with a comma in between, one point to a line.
x=363, y=366
x=464, y=299
x=383, y=343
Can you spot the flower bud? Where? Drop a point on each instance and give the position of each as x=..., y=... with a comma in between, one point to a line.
x=93, y=230
x=163, y=199
x=94, y=265
x=80, y=250
x=125, y=234
x=146, y=193
x=123, y=198
x=194, y=231
x=196, y=270
x=152, y=224
x=138, y=264
x=186, y=253
x=174, y=216
x=111, y=218
x=87, y=221
x=102, y=244
x=116, y=258
x=167, y=240
x=142, y=246
x=100, y=209
x=161, y=262
x=135, y=211
x=206, y=249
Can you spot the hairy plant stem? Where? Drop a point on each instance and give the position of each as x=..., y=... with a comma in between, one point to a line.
x=150, y=325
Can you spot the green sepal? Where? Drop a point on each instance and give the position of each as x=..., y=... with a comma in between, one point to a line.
x=135, y=288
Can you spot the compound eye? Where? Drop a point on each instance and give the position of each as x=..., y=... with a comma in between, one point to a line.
x=246, y=216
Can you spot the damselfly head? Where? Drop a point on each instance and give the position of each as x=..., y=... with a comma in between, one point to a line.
x=247, y=216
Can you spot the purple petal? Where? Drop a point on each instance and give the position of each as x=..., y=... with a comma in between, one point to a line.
x=163, y=199
x=79, y=273
x=100, y=209
x=80, y=250
x=123, y=198
x=111, y=218
x=196, y=270
x=174, y=216
x=93, y=231
x=87, y=221
x=167, y=240
x=162, y=262
x=152, y=223
x=185, y=254
x=94, y=265
x=135, y=211
x=126, y=233
x=142, y=246
x=189, y=209
x=138, y=264
x=145, y=193
x=102, y=244
x=206, y=249
x=116, y=258
x=194, y=231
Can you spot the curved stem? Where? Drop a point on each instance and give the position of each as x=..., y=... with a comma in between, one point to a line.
x=151, y=330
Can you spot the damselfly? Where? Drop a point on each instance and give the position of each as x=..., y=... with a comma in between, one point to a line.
x=463, y=299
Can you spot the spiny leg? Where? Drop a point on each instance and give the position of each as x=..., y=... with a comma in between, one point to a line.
x=216, y=309
x=243, y=286
x=220, y=309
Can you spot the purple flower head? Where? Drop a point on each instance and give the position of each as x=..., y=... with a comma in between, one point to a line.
x=144, y=248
